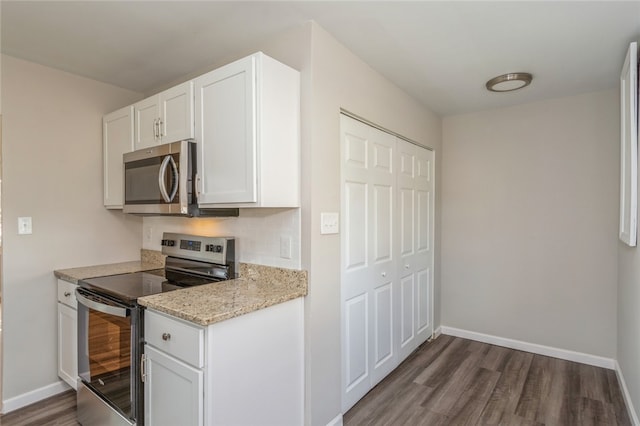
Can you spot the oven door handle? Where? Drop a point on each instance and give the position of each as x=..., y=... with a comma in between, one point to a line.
x=101, y=307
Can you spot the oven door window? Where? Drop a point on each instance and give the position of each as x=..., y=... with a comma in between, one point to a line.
x=105, y=358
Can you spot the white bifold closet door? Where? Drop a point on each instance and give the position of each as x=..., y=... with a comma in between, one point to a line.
x=387, y=254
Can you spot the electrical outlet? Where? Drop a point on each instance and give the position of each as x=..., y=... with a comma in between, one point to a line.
x=329, y=223
x=285, y=247
x=24, y=226
x=148, y=234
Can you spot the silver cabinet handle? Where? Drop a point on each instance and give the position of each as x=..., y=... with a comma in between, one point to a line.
x=166, y=336
x=160, y=128
x=406, y=266
x=67, y=293
x=143, y=368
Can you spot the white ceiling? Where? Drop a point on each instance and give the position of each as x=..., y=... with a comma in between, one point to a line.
x=441, y=53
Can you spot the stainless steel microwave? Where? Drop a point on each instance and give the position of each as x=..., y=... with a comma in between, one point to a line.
x=161, y=180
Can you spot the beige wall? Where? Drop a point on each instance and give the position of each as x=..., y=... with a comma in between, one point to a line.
x=629, y=319
x=530, y=222
x=628, y=349
x=341, y=80
x=52, y=171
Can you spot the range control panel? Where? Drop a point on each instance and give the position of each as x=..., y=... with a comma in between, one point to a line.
x=220, y=250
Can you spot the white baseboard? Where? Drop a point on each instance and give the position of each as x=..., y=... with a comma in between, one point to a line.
x=627, y=398
x=568, y=355
x=28, y=398
x=437, y=332
x=337, y=421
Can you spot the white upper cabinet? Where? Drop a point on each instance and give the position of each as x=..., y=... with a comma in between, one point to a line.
x=117, y=139
x=247, y=129
x=245, y=118
x=165, y=117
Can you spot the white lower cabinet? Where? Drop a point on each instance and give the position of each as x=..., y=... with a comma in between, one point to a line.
x=173, y=391
x=67, y=333
x=207, y=375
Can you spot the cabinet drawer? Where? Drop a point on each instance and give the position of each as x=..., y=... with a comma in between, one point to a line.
x=175, y=337
x=67, y=293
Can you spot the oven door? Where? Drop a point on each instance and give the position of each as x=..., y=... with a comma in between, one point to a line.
x=109, y=347
x=158, y=180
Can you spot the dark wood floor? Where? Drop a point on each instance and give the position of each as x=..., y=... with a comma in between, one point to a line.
x=453, y=381
x=59, y=410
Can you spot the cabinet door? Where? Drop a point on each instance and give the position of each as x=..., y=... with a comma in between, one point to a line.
x=147, y=122
x=117, y=139
x=176, y=113
x=225, y=122
x=67, y=344
x=173, y=391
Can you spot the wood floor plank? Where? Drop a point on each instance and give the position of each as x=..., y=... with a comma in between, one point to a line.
x=470, y=404
x=440, y=369
x=617, y=399
x=59, y=410
x=506, y=394
x=377, y=400
x=496, y=358
x=457, y=382
x=593, y=383
x=550, y=409
x=510, y=419
x=446, y=393
x=536, y=387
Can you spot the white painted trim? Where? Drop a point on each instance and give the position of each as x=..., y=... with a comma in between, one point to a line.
x=627, y=398
x=337, y=421
x=437, y=332
x=568, y=355
x=36, y=395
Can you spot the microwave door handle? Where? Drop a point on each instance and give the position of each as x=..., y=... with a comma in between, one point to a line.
x=176, y=178
x=168, y=160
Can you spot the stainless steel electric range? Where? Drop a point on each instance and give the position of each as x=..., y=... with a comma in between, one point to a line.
x=111, y=325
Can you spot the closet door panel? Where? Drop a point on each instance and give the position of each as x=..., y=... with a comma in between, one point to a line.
x=368, y=263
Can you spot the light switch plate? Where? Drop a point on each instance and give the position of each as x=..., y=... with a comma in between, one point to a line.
x=329, y=223
x=24, y=226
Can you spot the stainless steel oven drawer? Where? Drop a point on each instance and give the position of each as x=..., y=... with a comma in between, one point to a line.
x=92, y=410
x=175, y=337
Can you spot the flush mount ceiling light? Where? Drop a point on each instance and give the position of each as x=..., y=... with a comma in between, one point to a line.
x=509, y=82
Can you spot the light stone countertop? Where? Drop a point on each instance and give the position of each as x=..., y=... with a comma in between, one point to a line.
x=258, y=287
x=74, y=275
x=149, y=260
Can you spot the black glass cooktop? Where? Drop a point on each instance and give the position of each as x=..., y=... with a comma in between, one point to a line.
x=129, y=287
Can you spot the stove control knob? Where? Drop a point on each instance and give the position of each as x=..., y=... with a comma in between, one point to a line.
x=213, y=248
x=168, y=243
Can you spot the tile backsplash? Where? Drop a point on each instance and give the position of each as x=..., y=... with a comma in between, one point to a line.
x=258, y=233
